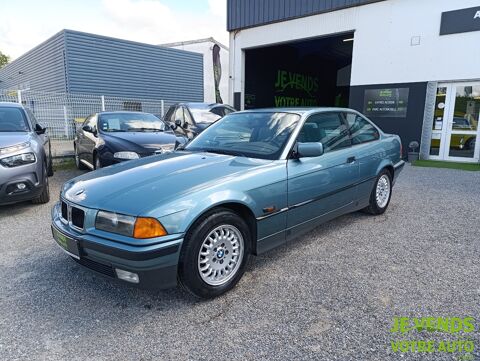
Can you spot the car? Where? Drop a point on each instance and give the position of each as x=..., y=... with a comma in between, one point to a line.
x=25, y=156
x=250, y=182
x=190, y=119
x=108, y=138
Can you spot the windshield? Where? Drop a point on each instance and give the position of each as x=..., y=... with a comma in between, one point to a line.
x=257, y=135
x=204, y=116
x=12, y=120
x=130, y=122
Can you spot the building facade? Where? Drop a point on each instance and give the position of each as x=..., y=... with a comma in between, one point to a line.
x=215, y=67
x=411, y=66
x=76, y=62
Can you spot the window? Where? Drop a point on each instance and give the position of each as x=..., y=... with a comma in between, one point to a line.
x=360, y=129
x=179, y=115
x=188, y=117
x=168, y=116
x=132, y=106
x=33, y=120
x=326, y=128
x=12, y=119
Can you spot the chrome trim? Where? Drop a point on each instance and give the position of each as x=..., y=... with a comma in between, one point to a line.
x=399, y=164
x=272, y=214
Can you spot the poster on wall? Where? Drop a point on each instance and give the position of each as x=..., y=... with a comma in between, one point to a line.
x=386, y=103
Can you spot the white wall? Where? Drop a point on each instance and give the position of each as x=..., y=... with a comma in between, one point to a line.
x=206, y=49
x=382, y=50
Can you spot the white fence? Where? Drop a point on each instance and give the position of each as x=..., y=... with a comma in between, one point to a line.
x=63, y=113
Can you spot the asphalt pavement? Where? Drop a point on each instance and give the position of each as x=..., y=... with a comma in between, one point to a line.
x=331, y=295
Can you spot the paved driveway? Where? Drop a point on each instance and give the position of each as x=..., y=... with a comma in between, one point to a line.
x=331, y=295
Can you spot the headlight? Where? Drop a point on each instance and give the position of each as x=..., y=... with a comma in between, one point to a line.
x=167, y=148
x=17, y=160
x=126, y=155
x=14, y=148
x=137, y=227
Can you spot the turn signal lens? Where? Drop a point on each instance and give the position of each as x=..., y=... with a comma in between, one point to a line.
x=148, y=228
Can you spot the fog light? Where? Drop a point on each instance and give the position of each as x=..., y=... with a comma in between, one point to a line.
x=127, y=276
x=21, y=186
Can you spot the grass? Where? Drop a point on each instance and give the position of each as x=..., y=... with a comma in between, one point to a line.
x=474, y=167
x=64, y=164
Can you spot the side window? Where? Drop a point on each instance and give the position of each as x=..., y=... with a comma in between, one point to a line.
x=360, y=129
x=179, y=115
x=31, y=116
x=228, y=110
x=168, y=116
x=327, y=128
x=87, y=120
x=187, y=116
x=220, y=111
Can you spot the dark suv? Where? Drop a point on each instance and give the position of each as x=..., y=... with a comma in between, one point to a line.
x=25, y=156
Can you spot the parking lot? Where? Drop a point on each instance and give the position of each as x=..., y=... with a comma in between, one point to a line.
x=331, y=295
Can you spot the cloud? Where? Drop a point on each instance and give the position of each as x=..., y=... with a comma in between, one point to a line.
x=148, y=21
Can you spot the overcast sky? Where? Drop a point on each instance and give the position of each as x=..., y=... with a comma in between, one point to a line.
x=26, y=23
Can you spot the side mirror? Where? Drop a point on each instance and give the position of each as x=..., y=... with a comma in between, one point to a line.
x=39, y=129
x=309, y=150
x=185, y=125
x=87, y=128
x=178, y=122
x=173, y=126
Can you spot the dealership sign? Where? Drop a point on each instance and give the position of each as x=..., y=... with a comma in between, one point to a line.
x=295, y=89
x=388, y=103
x=460, y=21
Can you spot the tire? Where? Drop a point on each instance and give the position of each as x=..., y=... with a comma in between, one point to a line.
x=50, y=166
x=210, y=235
x=383, y=183
x=44, y=197
x=79, y=164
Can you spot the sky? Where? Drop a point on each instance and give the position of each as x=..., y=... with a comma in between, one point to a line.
x=26, y=23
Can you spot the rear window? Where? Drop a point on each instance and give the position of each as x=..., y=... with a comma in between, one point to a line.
x=13, y=120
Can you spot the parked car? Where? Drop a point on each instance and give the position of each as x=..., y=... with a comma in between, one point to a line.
x=25, y=156
x=252, y=181
x=190, y=119
x=111, y=137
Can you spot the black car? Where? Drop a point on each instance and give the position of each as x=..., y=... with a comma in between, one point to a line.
x=190, y=119
x=107, y=138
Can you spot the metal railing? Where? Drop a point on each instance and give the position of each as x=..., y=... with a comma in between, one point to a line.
x=63, y=113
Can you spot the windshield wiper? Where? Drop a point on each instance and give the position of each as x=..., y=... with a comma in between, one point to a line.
x=145, y=129
x=223, y=151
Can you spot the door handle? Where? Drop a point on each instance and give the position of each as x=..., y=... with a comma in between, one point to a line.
x=351, y=160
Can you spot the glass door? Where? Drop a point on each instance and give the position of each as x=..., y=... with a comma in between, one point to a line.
x=455, y=128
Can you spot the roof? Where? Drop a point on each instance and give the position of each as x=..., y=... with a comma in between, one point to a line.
x=10, y=104
x=198, y=41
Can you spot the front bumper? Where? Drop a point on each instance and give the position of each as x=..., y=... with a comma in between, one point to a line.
x=155, y=265
x=30, y=175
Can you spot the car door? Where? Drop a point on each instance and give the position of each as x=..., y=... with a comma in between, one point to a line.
x=80, y=139
x=369, y=154
x=320, y=188
x=43, y=138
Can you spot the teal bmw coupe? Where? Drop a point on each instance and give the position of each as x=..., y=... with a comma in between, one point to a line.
x=250, y=182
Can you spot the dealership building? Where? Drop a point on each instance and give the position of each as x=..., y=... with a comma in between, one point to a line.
x=411, y=66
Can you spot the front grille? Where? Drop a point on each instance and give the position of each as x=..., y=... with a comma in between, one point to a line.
x=64, y=211
x=78, y=217
x=104, y=269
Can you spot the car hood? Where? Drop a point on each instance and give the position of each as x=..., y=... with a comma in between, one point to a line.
x=147, y=140
x=7, y=139
x=138, y=186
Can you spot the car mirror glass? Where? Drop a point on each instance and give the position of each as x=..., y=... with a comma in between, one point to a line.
x=309, y=150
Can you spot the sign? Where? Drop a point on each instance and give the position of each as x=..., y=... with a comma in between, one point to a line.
x=460, y=21
x=295, y=90
x=386, y=103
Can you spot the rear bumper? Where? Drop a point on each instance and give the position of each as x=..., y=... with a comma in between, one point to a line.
x=30, y=175
x=155, y=265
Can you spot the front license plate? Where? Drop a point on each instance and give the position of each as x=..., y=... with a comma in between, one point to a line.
x=69, y=245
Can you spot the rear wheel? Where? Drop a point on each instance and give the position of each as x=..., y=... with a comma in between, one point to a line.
x=215, y=253
x=44, y=197
x=381, y=194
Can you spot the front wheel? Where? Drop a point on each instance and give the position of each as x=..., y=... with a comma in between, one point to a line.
x=214, y=255
x=44, y=197
x=381, y=194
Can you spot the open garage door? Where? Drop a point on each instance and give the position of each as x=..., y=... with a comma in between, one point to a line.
x=313, y=72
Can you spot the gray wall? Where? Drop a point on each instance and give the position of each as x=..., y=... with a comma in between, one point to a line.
x=102, y=65
x=78, y=62
x=247, y=13
x=42, y=68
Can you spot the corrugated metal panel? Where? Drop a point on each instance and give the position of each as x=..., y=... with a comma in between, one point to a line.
x=102, y=65
x=247, y=13
x=42, y=68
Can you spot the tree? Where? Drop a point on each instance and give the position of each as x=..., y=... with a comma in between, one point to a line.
x=4, y=59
